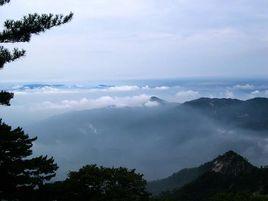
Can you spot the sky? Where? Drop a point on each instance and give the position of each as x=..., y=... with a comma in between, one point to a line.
x=137, y=39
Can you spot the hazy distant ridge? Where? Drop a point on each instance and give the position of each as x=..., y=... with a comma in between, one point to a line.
x=145, y=138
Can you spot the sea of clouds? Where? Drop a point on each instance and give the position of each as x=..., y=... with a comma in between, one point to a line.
x=34, y=102
x=42, y=100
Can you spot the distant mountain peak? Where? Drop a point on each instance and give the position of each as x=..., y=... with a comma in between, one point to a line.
x=250, y=114
x=231, y=163
x=226, y=166
x=223, y=102
x=212, y=102
x=158, y=100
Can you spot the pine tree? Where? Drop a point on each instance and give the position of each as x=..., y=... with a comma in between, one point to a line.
x=20, y=173
x=22, y=31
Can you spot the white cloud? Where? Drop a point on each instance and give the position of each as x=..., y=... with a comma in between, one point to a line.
x=21, y=90
x=124, y=88
x=42, y=90
x=229, y=94
x=128, y=88
x=102, y=102
x=90, y=128
x=183, y=96
x=146, y=87
x=255, y=93
x=244, y=87
x=161, y=88
x=258, y=93
x=151, y=104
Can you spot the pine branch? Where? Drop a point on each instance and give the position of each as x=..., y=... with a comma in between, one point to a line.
x=22, y=30
x=21, y=173
x=2, y=2
x=7, y=56
x=5, y=98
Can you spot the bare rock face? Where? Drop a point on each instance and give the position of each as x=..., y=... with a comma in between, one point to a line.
x=231, y=163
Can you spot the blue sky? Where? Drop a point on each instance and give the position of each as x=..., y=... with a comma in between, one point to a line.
x=121, y=39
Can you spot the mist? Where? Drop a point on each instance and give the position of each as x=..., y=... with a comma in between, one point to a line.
x=156, y=141
x=120, y=124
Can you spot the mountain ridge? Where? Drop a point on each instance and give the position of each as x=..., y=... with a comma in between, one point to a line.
x=117, y=136
x=249, y=114
x=230, y=163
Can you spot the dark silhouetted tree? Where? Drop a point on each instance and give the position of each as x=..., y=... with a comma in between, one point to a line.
x=20, y=173
x=22, y=31
x=93, y=183
x=238, y=197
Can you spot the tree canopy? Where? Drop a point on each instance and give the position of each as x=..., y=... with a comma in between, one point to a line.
x=93, y=183
x=17, y=31
x=2, y=2
x=23, y=29
x=21, y=173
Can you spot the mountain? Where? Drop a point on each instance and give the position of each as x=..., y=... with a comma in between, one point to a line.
x=158, y=100
x=231, y=164
x=250, y=114
x=228, y=164
x=213, y=104
x=145, y=138
x=228, y=173
x=177, y=179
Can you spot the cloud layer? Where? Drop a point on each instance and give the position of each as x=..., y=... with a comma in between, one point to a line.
x=41, y=100
x=101, y=102
x=183, y=96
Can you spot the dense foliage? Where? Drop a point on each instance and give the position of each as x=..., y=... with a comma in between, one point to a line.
x=20, y=173
x=93, y=183
x=22, y=31
x=5, y=97
x=237, y=197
